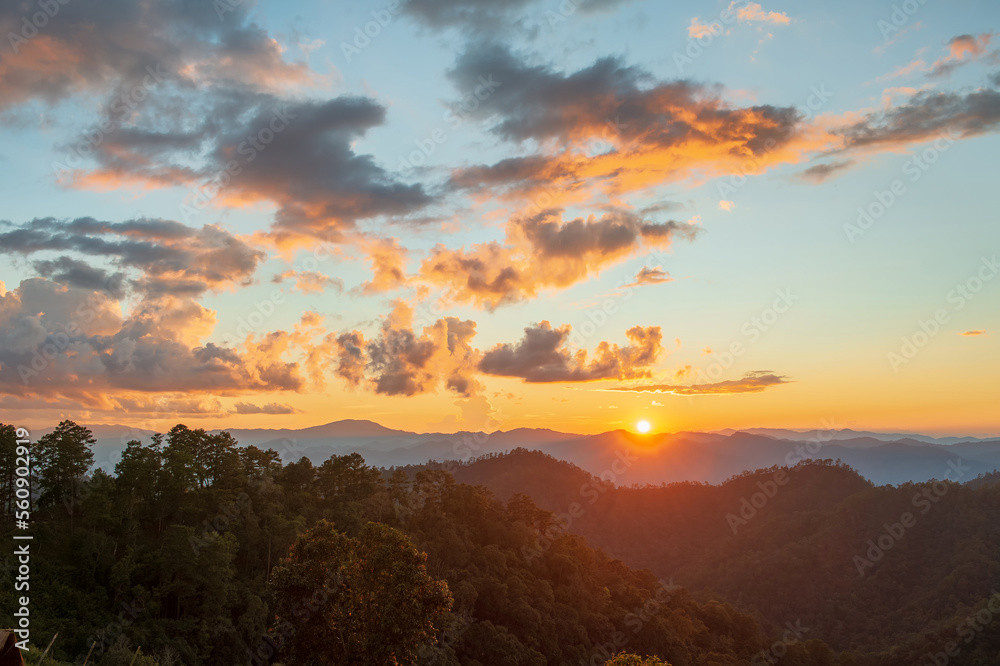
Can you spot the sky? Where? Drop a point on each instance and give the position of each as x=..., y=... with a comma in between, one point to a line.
x=448, y=215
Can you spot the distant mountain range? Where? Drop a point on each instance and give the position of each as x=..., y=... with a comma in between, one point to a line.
x=623, y=457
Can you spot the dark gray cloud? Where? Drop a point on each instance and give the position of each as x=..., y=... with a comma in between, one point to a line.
x=612, y=99
x=497, y=16
x=821, y=172
x=75, y=273
x=246, y=147
x=543, y=356
x=191, y=87
x=172, y=259
x=476, y=15
x=928, y=115
x=610, y=127
x=110, y=46
x=351, y=358
x=311, y=171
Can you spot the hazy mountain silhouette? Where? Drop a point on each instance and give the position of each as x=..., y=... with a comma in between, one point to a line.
x=660, y=458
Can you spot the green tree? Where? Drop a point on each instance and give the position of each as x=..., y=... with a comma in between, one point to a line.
x=346, y=483
x=62, y=459
x=364, y=600
x=139, y=469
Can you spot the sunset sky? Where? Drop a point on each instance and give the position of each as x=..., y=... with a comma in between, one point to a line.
x=454, y=214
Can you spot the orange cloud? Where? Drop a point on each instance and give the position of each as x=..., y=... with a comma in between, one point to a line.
x=752, y=12
x=668, y=132
x=543, y=251
x=752, y=382
x=310, y=282
x=961, y=50
x=647, y=275
x=388, y=262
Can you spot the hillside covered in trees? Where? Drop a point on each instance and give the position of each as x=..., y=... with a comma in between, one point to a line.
x=896, y=572
x=198, y=550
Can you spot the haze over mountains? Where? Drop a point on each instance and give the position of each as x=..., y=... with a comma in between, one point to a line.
x=883, y=458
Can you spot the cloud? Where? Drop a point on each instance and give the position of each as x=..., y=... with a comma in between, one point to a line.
x=75, y=273
x=269, y=408
x=819, y=173
x=752, y=382
x=168, y=404
x=752, y=12
x=488, y=17
x=60, y=341
x=924, y=116
x=310, y=282
x=543, y=251
x=171, y=259
x=388, y=262
x=698, y=29
x=399, y=361
x=962, y=50
x=109, y=46
x=727, y=206
x=905, y=70
x=351, y=358
x=976, y=332
x=657, y=131
x=471, y=15
x=65, y=335
x=542, y=356
x=297, y=156
x=647, y=275
x=749, y=12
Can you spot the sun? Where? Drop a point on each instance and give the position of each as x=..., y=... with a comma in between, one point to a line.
x=642, y=426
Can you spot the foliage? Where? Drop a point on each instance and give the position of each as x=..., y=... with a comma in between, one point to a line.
x=62, y=458
x=198, y=550
x=343, y=600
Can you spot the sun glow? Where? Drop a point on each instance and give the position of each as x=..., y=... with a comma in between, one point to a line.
x=642, y=426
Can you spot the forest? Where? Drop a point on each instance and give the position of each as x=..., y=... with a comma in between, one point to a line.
x=199, y=550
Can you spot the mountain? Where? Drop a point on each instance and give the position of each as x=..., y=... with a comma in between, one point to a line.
x=620, y=456
x=847, y=433
x=865, y=567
